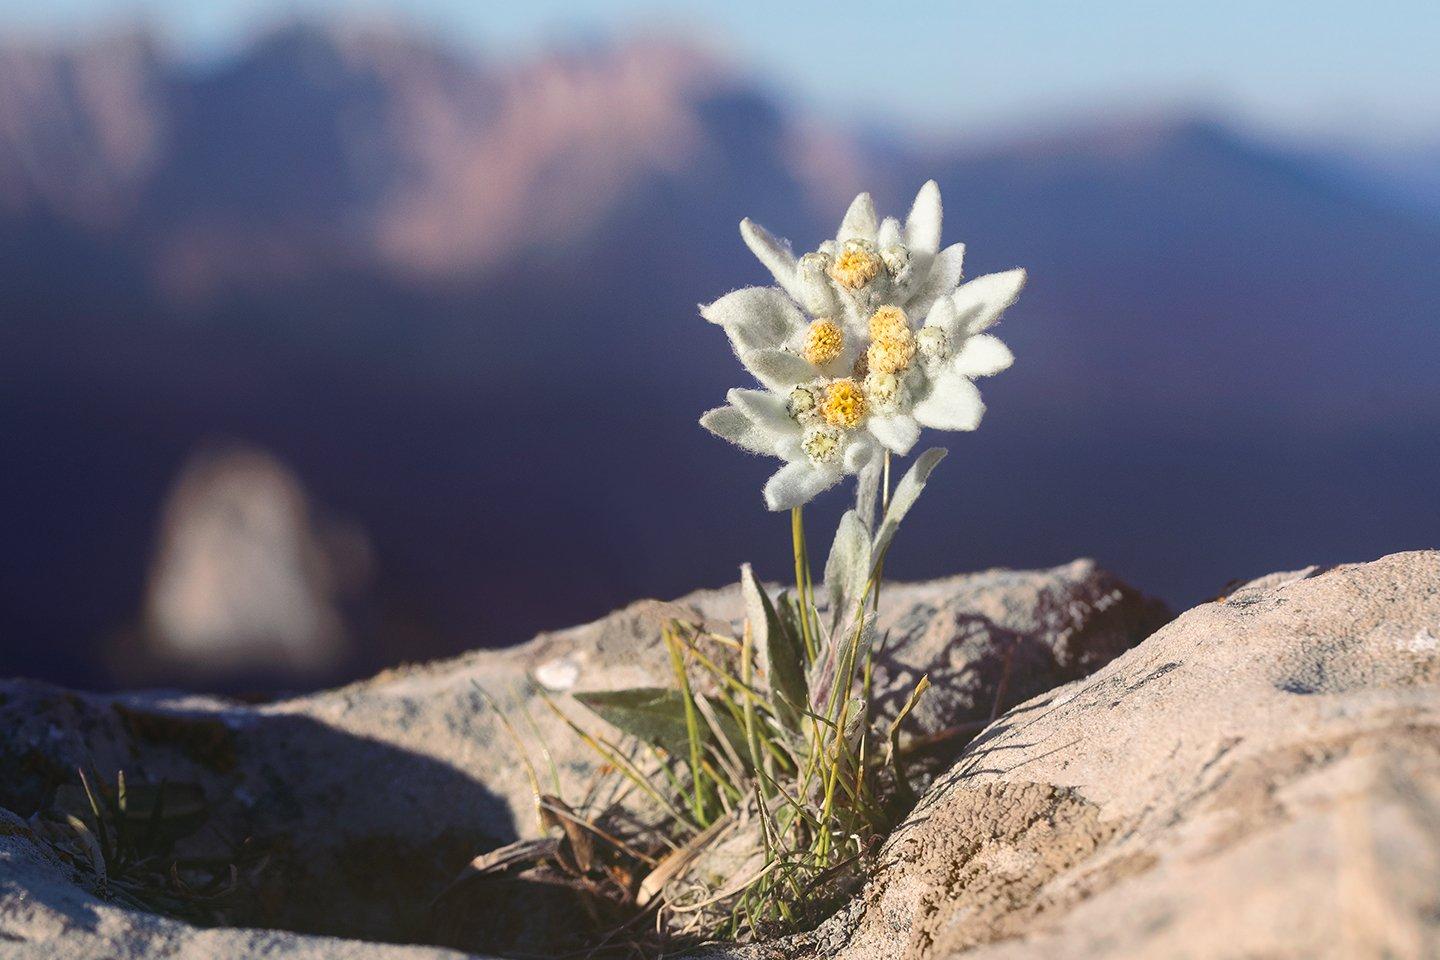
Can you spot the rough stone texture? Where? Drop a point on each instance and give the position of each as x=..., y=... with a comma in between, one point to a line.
x=374, y=795
x=1261, y=778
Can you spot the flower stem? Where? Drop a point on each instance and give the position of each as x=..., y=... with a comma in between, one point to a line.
x=884, y=509
x=802, y=578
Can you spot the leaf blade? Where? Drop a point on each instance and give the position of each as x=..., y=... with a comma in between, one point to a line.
x=907, y=491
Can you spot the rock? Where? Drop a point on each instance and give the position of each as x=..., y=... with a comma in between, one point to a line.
x=1259, y=778
x=366, y=800
x=246, y=580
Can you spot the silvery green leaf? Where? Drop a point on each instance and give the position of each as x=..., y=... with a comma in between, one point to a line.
x=860, y=221
x=755, y=318
x=847, y=570
x=782, y=650
x=653, y=715
x=922, y=226
x=778, y=369
x=796, y=484
x=907, y=491
x=953, y=403
x=854, y=723
x=983, y=355
x=867, y=491
x=774, y=253
x=731, y=424
x=89, y=844
x=980, y=302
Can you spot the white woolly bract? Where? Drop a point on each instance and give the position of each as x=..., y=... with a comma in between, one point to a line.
x=767, y=328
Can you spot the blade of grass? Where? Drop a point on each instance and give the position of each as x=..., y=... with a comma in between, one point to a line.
x=692, y=725
x=902, y=783
x=752, y=736
x=535, y=791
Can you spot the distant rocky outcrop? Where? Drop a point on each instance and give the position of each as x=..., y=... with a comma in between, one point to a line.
x=364, y=801
x=246, y=579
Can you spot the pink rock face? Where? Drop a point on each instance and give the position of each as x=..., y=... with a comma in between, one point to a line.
x=453, y=165
x=559, y=141
x=81, y=132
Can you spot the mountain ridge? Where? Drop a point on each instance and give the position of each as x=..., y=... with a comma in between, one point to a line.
x=1224, y=356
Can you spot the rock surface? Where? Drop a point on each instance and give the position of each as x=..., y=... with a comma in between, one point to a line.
x=1261, y=778
x=369, y=798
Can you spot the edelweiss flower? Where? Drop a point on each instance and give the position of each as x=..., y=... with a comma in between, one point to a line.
x=811, y=413
x=851, y=372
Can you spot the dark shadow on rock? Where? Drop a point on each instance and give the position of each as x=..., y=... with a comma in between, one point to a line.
x=355, y=836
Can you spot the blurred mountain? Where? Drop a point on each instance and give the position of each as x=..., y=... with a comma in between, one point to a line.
x=458, y=299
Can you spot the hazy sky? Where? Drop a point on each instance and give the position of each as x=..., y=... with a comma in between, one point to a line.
x=1310, y=66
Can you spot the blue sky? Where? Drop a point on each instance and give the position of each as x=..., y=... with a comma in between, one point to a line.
x=1343, y=69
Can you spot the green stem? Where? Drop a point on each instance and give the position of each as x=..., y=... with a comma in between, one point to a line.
x=692, y=727
x=802, y=578
x=879, y=571
x=752, y=737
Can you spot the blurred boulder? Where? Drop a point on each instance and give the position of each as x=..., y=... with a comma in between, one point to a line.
x=245, y=580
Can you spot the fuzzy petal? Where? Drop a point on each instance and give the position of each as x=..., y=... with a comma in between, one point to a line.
x=981, y=301
x=766, y=410
x=941, y=280
x=728, y=423
x=898, y=433
x=857, y=454
x=982, y=355
x=774, y=253
x=778, y=369
x=944, y=315
x=953, y=404
x=796, y=484
x=890, y=233
x=860, y=221
x=755, y=318
x=922, y=226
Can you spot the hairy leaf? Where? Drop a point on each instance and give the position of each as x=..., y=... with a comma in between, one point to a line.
x=907, y=491
x=847, y=570
x=654, y=715
x=784, y=650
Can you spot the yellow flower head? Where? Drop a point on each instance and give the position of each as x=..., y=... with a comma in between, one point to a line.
x=823, y=341
x=843, y=405
x=857, y=264
x=802, y=403
x=889, y=322
x=896, y=259
x=822, y=444
x=891, y=354
x=934, y=343
x=882, y=390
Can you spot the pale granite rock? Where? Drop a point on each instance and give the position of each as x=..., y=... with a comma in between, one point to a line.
x=373, y=795
x=1260, y=778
